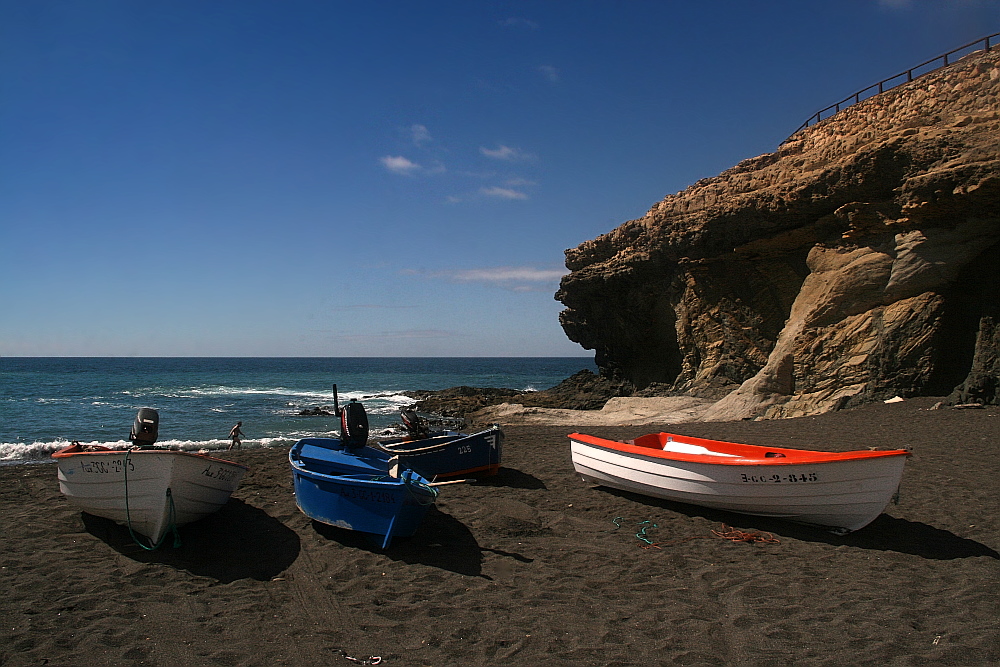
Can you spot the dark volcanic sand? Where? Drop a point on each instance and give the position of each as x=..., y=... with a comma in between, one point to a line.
x=529, y=568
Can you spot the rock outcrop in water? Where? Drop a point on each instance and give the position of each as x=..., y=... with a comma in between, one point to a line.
x=858, y=262
x=581, y=391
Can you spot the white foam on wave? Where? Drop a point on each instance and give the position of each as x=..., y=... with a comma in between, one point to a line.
x=225, y=390
x=379, y=403
x=388, y=403
x=35, y=451
x=19, y=452
x=220, y=444
x=394, y=398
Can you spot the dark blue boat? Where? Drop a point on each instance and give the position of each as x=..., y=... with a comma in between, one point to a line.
x=444, y=454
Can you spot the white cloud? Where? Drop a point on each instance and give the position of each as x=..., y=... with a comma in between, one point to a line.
x=417, y=333
x=510, y=189
x=398, y=164
x=503, y=193
x=513, y=278
x=502, y=274
x=515, y=22
x=420, y=135
x=373, y=306
x=549, y=72
x=436, y=168
x=389, y=336
x=519, y=182
x=507, y=153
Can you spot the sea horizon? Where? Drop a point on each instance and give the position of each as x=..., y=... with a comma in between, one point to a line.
x=48, y=402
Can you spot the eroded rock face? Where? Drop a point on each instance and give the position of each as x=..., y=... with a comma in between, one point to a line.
x=856, y=263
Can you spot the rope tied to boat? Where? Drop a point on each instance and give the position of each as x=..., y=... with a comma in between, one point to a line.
x=409, y=483
x=421, y=499
x=171, y=514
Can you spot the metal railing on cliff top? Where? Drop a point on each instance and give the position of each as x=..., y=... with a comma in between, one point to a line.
x=882, y=87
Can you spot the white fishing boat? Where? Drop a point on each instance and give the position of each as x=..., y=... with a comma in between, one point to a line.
x=151, y=491
x=840, y=491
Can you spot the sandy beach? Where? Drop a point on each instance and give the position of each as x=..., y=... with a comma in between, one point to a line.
x=530, y=567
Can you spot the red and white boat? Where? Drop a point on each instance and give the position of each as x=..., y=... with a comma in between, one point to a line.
x=840, y=491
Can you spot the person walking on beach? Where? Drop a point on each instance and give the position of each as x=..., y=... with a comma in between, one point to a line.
x=235, y=434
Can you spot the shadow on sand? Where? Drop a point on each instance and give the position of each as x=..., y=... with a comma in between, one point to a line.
x=512, y=478
x=885, y=533
x=441, y=541
x=237, y=542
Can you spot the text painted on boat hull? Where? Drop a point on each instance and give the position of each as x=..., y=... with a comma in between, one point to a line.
x=780, y=479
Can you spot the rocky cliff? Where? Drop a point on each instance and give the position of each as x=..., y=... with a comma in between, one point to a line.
x=859, y=261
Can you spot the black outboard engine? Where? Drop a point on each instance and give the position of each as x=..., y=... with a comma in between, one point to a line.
x=416, y=428
x=146, y=428
x=354, y=425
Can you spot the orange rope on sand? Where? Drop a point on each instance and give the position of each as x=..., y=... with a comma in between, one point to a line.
x=726, y=533
x=734, y=535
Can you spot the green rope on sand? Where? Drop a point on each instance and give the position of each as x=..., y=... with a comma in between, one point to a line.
x=647, y=524
x=172, y=516
x=642, y=533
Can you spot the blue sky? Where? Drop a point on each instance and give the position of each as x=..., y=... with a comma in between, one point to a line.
x=325, y=178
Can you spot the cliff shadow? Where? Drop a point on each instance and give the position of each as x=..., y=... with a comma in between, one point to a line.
x=237, y=542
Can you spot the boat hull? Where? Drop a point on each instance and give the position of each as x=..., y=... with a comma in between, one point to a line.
x=842, y=492
x=448, y=454
x=148, y=490
x=354, y=491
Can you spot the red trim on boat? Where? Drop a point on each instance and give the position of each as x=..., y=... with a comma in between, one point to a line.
x=101, y=450
x=651, y=445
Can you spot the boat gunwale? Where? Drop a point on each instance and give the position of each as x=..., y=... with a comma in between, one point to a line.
x=789, y=456
x=436, y=447
x=65, y=453
x=453, y=437
x=301, y=467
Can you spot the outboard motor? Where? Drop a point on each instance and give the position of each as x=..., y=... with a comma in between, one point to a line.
x=416, y=428
x=354, y=425
x=146, y=428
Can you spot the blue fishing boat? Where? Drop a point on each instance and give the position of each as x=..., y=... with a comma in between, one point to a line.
x=340, y=482
x=340, y=488
x=444, y=454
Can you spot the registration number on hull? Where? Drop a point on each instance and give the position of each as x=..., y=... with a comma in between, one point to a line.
x=793, y=478
x=106, y=466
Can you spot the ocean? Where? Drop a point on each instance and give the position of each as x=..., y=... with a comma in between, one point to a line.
x=46, y=403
